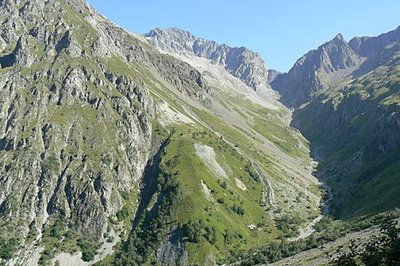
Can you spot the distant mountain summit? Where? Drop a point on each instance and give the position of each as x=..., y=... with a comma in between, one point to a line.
x=238, y=61
x=315, y=71
x=333, y=62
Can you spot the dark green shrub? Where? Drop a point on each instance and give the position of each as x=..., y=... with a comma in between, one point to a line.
x=7, y=248
x=123, y=213
x=89, y=250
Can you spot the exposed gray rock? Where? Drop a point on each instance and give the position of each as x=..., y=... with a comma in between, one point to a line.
x=238, y=61
x=23, y=52
x=102, y=48
x=315, y=71
x=69, y=44
x=173, y=253
x=2, y=44
x=272, y=75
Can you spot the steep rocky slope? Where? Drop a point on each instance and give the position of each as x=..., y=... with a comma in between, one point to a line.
x=76, y=120
x=104, y=139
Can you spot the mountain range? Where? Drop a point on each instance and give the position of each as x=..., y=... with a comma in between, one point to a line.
x=165, y=148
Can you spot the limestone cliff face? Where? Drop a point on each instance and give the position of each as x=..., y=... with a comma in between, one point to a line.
x=75, y=116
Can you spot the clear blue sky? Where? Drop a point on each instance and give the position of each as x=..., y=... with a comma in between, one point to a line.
x=280, y=30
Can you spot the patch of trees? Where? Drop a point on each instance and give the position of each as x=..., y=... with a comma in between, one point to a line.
x=195, y=230
x=8, y=248
x=56, y=238
x=123, y=213
x=250, y=170
x=289, y=225
x=231, y=236
x=153, y=227
x=89, y=250
x=223, y=184
x=239, y=209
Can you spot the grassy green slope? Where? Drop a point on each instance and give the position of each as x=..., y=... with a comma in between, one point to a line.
x=190, y=194
x=217, y=208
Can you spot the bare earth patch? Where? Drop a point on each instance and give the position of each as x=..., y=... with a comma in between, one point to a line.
x=67, y=259
x=240, y=184
x=208, y=155
x=206, y=190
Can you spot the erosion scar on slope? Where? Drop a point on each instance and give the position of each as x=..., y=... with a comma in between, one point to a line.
x=208, y=155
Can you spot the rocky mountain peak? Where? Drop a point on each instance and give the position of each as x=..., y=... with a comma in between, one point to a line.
x=339, y=37
x=335, y=54
x=238, y=61
x=172, y=40
x=332, y=61
x=315, y=71
x=175, y=33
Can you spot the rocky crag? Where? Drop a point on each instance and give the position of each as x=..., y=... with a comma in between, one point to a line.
x=241, y=62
